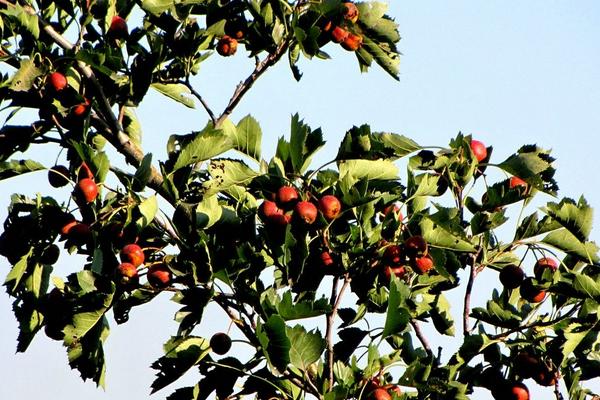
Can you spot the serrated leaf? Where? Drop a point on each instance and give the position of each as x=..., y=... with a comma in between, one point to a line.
x=176, y=91
x=274, y=342
x=401, y=144
x=148, y=209
x=438, y=236
x=157, y=7
x=564, y=240
x=302, y=309
x=576, y=217
x=181, y=354
x=441, y=316
x=586, y=286
x=397, y=316
x=208, y=212
x=25, y=76
x=305, y=347
x=248, y=137
x=203, y=146
x=352, y=171
x=143, y=173
x=226, y=173
x=8, y=169
x=16, y=273
x=25, y=18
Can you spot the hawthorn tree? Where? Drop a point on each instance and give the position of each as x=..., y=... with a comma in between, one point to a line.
x=361, y=253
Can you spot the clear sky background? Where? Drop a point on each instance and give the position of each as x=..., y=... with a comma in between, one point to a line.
x=508, y=72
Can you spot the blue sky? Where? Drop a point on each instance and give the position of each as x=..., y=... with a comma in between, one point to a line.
x=508, y=72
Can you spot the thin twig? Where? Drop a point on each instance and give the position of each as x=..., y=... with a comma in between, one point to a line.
x=197, y=95
x=467, y=303
x=329, y=330
x=244, y=86
x=421, y=337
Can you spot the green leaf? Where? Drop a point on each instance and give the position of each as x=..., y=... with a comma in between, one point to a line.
x=248, y=137
x=181, y=354
x=352, y=171
x=132, y=126
x=441, y=315
x=387, y=59
x=586, y=286
x=16, y=273
x=143, y=173
x=226, y=173
x=203, y=145
x=176, y=91
x=576, y=217
x=533, y=165
x=87, y=354
x=26, y=19
x=397, y=316
x=305, y=347
x=304, y=143
x=208, y=212
x=302, y=309
x=157, y=7
x=401, y=144
x=8, y=169
x=148, y=209
x=564, y=240
x=25, y=76
x=439, y=236
x=274, y=342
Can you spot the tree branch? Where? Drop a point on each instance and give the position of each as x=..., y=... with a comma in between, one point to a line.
x=244, y=86
x=421, y=337
x=467, y=303
x=197, y=95
x=335, y=301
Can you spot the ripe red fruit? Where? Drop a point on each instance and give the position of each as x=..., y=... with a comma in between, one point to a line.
x=159, y=276
x=326, y=258
x=545, y=376
x=352, y=42
x=286, y=197
x=58, y=176
x=133, y=254
x=80, y=110
x=393, y=388
x=79, y=233
x=350, y=12
x=88, y=189
x=422, y=265
x=227, y=46
x=542, y=264
x=56, y=82
x=267, y=209
x=220, y=343
x=479, y=150
x=118, y=28
x=526, y=365
x=511, y=276
x=380, y=394
x=279, y=220
x=517, y=391
x=393, y=254
x=306, y=211
x=517, y=183
x=530, y=292
x=338, y=34
x=66, y=228
x=330, y=206
x=415, y=245
x=398, y=270
x=127, y=274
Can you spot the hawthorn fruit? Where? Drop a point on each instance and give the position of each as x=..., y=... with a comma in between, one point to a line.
x=326, y=258
x=415, y=246
x=50, y=255
x=127, y=274
x=530, y=292
x=159, y=276
x=542, y=265
x=88, y=189
x=517, y=183
x=479, y=150
x=339, y=34
x=58, y=176
x=352, y=42
x=56, y=82
x=133, y=254
x=306, y=211
x=220, y=343
x=227, y=46
x=268, y=209
x=393, y=254
x=118, y=28
x=422, y=265
x=512, y=276
x=350, y=12
x=380, y=394
x=330, y=207
x=399, y=271
x=286, y=197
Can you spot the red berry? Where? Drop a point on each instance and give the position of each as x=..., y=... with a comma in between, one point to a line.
x=422, y=265
x=350, y=12
x=398, y=270
x=415, y=245
x=517, y=183
x=268, y=209
x=127, y=274
x=306, y=211
x=530, y=292
x=118, y=28
x=479, y=150
x=286, y=197
x=227, y=46
x=159, y=276
x=133, y=254
x=326, y=259
x=56, y=81
x=542, y=264
x=380, y=394
x=511, y=276
x=393, y=254
x=58, y=176
x=79, y=110
x=79, y=233
x=220, y=343
x=330, y=206
x=338, y=35
x=518, y=391
x=352, y=42
x=88, y=189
